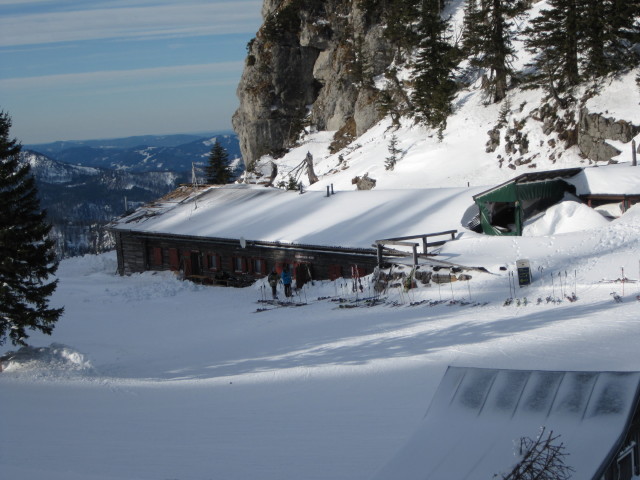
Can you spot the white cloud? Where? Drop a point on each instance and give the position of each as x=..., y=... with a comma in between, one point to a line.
x=23, y=3
x=142, y=20
x=128, y=77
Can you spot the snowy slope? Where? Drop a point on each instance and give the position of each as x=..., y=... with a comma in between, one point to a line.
x=146, y=377
x=149, y=377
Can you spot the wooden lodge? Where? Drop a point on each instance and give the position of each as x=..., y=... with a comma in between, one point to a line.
x=227, y=262
x=234, y=234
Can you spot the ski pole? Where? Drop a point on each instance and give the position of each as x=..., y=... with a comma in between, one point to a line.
x=452, y=297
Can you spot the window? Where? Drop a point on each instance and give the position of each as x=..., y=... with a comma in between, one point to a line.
x=259, y=266
x=626, y=463
x=213, y=262
x=239, y=264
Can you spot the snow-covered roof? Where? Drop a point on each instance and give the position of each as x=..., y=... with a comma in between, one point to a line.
x=615, y=179
x=353, y=219
x=478, y=415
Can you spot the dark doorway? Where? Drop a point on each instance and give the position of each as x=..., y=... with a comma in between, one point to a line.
x=196, y=263
x=303, y=274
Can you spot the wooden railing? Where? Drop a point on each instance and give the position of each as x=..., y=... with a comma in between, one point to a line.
x=403, y=241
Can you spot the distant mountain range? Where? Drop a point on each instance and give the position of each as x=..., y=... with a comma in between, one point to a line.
x=148, y=153
x=83, y=185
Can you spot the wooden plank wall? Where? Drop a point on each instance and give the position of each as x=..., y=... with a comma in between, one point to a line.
x=139, y=254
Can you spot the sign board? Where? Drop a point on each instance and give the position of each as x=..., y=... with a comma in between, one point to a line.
x=524, y=272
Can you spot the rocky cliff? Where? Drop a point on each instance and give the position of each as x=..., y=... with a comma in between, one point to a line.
x=310, y=65
x=342, y=65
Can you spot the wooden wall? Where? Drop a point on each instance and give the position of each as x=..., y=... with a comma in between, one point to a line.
x=225, y=261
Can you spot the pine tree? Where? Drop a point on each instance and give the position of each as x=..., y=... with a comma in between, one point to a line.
x=401, y=15
x=553, y=38
x=434, y=85
x=610, y=30
x=472, y=28
x=27, y=258
x=394, y=152
x=576, y=39
x=292, y=183
x=493, y=34
x=218, y=171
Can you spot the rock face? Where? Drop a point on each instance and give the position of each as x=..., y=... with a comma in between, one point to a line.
x=594, y=129
x=311, y=64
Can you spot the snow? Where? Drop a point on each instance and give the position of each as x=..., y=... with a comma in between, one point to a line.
x=148, y=377
x=619, y=98
x=348, y=218
x=476, y=414
x=622, y=179
x=567, y=216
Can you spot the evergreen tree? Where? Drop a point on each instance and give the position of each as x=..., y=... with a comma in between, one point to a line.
x=292, y=183
x=575, y=39
x=394, y=151
x=27, y=258
x=434, y=85
x=492, y=34
x=553, y=38
x=610, y=31
x=218, y=171
x=472, y=25
x=401, y=17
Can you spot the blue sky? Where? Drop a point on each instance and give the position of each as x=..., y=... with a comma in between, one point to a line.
x=84, y=69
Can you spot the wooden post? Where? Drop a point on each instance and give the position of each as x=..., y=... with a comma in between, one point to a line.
x=633, y=153
x=379, y=248
x=415, y=254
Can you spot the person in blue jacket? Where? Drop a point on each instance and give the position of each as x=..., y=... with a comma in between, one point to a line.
x=286, y=281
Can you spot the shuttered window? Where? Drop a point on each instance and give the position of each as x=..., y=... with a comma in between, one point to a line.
x=239, y=264
x=174, y=259
x=157, y=256
x=213, y=262
x=259, y=266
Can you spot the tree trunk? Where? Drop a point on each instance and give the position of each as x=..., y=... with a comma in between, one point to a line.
x=313, y=178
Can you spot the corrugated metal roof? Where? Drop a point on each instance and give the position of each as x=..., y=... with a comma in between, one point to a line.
x=535, y=177
x=477, y=415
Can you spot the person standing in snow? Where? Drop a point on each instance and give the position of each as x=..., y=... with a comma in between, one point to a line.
x=273, y=281
x=286, y=281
